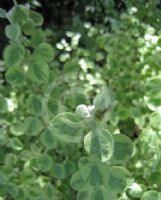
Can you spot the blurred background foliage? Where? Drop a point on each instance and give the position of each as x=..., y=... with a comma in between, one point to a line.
x=113, y=43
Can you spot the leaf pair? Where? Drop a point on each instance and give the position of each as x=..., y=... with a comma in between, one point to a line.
x=95, y=180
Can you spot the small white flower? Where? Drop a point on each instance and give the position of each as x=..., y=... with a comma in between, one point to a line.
x=82, y=111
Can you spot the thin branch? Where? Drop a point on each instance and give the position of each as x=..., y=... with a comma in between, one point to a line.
x=15, y=2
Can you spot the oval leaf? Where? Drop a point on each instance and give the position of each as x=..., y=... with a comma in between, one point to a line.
x=36, y=17
x=151, y=195
x=14, y=54
x=76, y=181
x=13, y=31
x=48, y=140
x=103, y=100
x=32, y=126
x=123, y=148
x=16, y=76
x=117, y=179
x=38, y=72
x=100, y=144
x=2, y=13
x=18, y=14
x=67, y=127
x=45, y=52
x=44, y=162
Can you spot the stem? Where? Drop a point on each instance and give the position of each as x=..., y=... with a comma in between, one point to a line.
x=15, y=2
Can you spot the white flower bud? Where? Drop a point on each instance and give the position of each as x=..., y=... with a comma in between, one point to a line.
x=83, y=111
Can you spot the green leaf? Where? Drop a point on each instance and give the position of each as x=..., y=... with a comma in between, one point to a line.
x=58, y=171
x=76, y=181
x=2, y=13
x=38, y=37
x=84, y=195
x=12, y=189
x=67, y=127
x=16, y=76
x=34, y=104
x=27, y=176
x=13, y=31
x=3, y=136
x=84, y=161
x=17, y=129
x=92, y=174
x=70, y=167
x=36, y=17
x=14, y=54
x=155, y=120
x=101, y=193
x=18, y=14
x=100, y=144
x=29, y=27
x=103, y=100
x=89, y=178
x=50, y=191
x=48, y=140
x=3, y=178
x=123, y=149
x=117, y=179
x=151, y=195
x=44, y=52
x=44, y=162
x=71, y=65
x=32, y=126
x=3, y=105
x=16, y=144
x=38, y=72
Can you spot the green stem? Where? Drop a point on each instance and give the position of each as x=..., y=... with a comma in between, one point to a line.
x=15, y=2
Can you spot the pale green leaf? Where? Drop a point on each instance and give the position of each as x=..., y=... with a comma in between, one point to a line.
x=67, y=127
x=16, y=144
x=103, y=100
x=18, y=14
x=155, y=120
x=13, y=31
x=2, y=13
x=36, y=17
x=100, y=144
x=151, y=195
x=123, y=148
x=117, y=179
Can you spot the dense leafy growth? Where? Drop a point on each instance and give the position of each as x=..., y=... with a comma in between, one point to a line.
x=80, y=107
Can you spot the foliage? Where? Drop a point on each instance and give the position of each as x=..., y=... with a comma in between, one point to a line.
x=80, y=116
